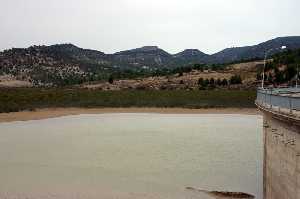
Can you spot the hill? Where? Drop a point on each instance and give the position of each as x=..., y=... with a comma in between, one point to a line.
x=67, y=64
x=256, y=51
x=192, y=79
x=190, y=56
x=146, y=57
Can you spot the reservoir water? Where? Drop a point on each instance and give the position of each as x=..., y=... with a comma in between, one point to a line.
x=131, y=156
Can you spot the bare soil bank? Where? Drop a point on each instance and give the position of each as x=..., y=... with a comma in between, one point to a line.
x=58, y=112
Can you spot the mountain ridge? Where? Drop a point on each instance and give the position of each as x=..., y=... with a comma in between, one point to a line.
x=255, y=51
x=157, y=57
x=69, y=64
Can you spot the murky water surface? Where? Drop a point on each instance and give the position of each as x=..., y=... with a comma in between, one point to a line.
x=131, y=156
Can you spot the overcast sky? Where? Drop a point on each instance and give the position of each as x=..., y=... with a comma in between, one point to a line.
x=174, y=25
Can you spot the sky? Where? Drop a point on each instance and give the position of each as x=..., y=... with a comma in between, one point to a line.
x=173, y=25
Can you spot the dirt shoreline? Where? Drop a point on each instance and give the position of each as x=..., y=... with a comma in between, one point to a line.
x=59, y=112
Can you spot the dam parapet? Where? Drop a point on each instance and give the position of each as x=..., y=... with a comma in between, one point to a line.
x=281, y=127
x=283, y=102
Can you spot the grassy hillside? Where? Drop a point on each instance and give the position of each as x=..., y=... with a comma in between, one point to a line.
x=12, y=100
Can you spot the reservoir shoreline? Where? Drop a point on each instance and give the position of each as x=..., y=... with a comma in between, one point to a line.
x=40, y=114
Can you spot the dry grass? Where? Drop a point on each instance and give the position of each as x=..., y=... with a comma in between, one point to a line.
x=189, y=80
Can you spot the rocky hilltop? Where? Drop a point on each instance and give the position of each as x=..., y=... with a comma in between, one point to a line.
x=147, y=57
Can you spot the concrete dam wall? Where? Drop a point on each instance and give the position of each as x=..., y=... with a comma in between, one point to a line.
x=281, y=143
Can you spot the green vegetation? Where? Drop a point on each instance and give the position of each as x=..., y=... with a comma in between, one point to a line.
x=283, y=68
x=187, y=69
x=212, y=83
x=111, y=80
x=236, y=79
x=12, y=100
x=133, y=73
x=66, y=65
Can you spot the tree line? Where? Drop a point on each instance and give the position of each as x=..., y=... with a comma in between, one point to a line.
x=205, y=83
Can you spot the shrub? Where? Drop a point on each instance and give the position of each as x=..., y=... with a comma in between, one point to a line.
x=224, y=82
x=236, y=79
x=111, y=80
x=200, y=81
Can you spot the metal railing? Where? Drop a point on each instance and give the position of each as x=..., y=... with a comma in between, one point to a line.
x=279, y=98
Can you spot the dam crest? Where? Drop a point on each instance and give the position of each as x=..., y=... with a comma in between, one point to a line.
x=281, y=132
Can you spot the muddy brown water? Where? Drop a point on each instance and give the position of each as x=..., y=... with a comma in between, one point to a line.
x=131, y=156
